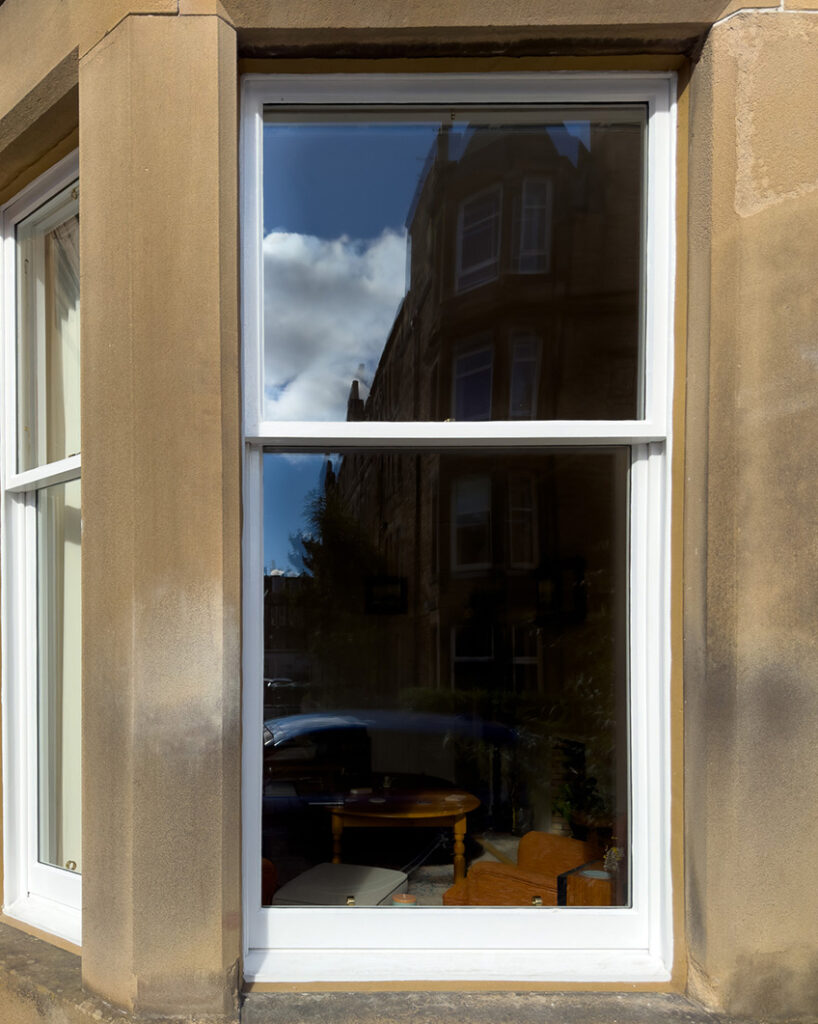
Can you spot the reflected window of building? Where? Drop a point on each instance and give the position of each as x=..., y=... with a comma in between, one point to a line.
x=525, y=373
x=478, y=239
x=472, y=655
x=533, y=248
x=471, y=520
x=522, y=521
x=526, y=657
x=472, y=384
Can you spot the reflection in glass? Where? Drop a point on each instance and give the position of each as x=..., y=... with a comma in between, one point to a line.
x=525, y=367
x=445, y=695
x=389, y=244
x=471, y=518
x=48, y=370
x=534, y=243
x=59, y=675
x=472, y=385
x=478, y=239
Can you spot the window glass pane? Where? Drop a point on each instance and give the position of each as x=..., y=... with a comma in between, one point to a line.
x=429, y=719
x=471, y=520
x=533, y=244
x=472, y=385
x=59, y=675
x=478, y=239
x=48, y=365
x=522, y=525
x=525, y=372
x=385, y=248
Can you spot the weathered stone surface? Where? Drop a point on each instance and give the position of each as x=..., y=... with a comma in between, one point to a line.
x=752, y=471
x=475, y=1008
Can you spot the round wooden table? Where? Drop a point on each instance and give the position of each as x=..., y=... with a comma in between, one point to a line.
x=422, y=808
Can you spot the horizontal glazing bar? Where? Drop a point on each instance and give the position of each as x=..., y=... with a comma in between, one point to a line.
x=44, y=476
x=440, y=435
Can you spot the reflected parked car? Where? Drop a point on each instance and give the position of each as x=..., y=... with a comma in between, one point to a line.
x=283, y=696
x=317, y=758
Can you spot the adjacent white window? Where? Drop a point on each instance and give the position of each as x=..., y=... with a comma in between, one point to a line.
x=41, y=561
x=327, y=315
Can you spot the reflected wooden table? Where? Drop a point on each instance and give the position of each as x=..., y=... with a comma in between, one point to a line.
x=424, y=808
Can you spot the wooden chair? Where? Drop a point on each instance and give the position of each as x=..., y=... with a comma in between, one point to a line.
x=541, y=857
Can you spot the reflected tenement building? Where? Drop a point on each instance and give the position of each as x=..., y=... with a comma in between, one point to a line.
x=492, y=584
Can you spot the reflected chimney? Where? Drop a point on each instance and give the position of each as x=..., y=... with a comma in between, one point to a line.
x=355, y=404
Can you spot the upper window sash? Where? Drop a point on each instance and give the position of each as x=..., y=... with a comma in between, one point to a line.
x=39, y=196
x=333, y=92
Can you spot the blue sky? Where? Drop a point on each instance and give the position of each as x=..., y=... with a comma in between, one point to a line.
x=330, y=180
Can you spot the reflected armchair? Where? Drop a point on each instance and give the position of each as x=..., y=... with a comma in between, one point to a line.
x=541, y=857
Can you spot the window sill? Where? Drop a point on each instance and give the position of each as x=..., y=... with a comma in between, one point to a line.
x=48, y=917
x=486, y=1007
x=39, y=981
x=503, y=967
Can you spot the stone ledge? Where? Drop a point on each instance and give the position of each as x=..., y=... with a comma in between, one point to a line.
x=41, y=984
x=475, y=1008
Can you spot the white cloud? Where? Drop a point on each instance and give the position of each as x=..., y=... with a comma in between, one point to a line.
x=329, y=305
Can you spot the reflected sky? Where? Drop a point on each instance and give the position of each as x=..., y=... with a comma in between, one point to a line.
x=344, y=179
x=336, y=198
x=289, y=480
x=341, y=199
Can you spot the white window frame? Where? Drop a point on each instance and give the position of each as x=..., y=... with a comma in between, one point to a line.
x=37, y=894
x=620, y=944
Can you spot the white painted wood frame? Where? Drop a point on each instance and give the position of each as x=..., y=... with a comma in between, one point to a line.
x=618, y=944
x=38, y=894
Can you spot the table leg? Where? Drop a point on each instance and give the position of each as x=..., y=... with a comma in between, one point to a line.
x=337, y=832
x=460, y=849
